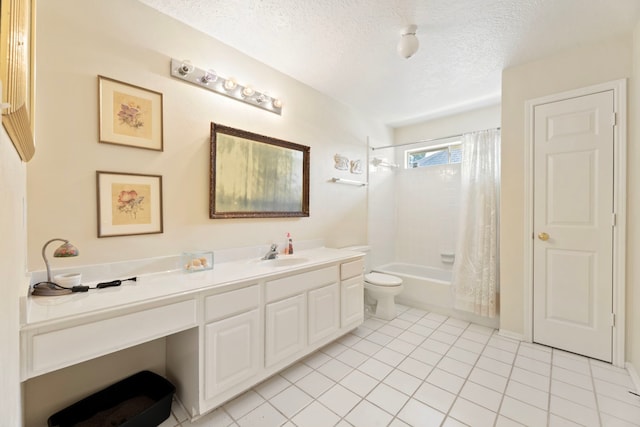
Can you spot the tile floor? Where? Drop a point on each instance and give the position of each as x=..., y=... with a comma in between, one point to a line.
x=425, y=369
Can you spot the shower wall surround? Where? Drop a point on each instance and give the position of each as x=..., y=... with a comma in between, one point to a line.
x=427, y=212
x=413, y=213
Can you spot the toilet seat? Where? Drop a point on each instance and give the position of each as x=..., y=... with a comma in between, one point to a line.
x=380, y=279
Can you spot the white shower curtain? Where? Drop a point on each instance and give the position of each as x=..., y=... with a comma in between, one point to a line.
x=475, y=271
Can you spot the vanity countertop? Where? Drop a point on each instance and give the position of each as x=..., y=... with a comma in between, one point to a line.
x=42, y=310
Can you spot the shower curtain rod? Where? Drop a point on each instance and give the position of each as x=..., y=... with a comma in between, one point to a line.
x=424, y=140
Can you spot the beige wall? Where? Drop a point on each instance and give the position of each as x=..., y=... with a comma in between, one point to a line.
x=127, y=41
x=580, y=67
x=469, y=121
x=13, y=268
x=633, y=211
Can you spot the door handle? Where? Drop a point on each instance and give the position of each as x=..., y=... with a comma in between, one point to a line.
x=543, y=236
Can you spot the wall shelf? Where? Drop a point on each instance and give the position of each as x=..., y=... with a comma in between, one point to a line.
x=348, y=182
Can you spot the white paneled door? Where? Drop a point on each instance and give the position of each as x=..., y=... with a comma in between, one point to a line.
x=573, y=220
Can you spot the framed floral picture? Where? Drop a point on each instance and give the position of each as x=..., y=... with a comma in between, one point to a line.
x=128, y=204
x=129, y=115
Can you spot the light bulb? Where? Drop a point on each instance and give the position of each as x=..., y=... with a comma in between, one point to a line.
x=277, y=103
x=230, y=84
x=185, y=68
x=247, y=91
x=209, y=76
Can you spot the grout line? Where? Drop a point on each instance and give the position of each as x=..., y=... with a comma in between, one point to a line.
x=455, y=399
x=550, y=385
x=504, y=392
x=595, y=393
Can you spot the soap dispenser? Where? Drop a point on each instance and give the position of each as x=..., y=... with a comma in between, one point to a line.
x=289, y=244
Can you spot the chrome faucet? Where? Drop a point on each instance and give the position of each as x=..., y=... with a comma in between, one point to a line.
x=272, y=253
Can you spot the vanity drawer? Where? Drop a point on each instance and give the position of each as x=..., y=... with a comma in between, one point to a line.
x=232, y=302
x=351, y=269
x=298, y=283
x=64, y=347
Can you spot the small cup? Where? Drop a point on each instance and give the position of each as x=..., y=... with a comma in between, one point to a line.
x=68, y=279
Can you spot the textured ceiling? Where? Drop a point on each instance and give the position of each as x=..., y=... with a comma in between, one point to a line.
x=347, y=48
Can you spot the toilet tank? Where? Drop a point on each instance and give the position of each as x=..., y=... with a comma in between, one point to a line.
x=364, y=249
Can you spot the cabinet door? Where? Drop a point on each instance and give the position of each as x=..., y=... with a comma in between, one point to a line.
x=231, y=352
x=285, y=328
x=324, y=312
x=352, y=301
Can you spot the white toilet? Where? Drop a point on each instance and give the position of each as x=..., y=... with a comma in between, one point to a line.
x=379, y=289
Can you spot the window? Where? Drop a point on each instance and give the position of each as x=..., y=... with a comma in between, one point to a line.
x=431, y=156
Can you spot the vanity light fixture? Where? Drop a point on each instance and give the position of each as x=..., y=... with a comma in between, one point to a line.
x=227, y=86
x=49, y=288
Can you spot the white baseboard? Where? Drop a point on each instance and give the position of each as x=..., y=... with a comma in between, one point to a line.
x=511, y=335
x=634, y=375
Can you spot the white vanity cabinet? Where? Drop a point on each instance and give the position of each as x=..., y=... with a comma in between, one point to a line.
x=253, y=332
x=232, y=351
x=57, y=345
x=226, y=329
x=285, y=328
x=351, y=292
x=324, y=312
x=295, y=310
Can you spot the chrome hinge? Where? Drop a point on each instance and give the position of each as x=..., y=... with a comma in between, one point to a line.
x=613, y=319
x=614, y=119
x=614, y=219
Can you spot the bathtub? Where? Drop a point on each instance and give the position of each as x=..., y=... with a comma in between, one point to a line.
x=424, y=287
x=429, y=288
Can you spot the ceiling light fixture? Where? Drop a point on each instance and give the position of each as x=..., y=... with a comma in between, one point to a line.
x=408, y=44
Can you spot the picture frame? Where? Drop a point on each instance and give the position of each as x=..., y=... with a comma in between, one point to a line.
x=256, y=176
x=130, y=115
x=128, y=204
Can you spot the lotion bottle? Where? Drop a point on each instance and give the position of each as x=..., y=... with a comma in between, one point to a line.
x=290, y=244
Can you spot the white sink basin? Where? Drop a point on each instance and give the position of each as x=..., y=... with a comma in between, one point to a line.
x=283, y=262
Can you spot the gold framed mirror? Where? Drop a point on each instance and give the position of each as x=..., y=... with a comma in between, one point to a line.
x=256, y=176
x=16, y=73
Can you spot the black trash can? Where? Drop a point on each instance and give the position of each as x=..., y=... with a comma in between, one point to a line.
x=141, y=400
